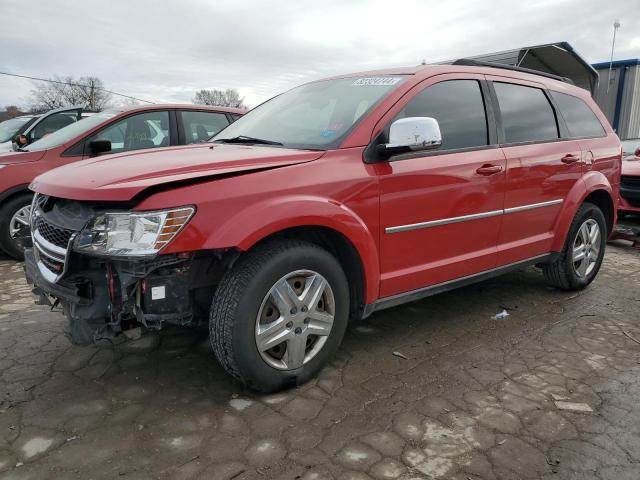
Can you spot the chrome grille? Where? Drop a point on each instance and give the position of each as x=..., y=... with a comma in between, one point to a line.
x=51, y=243
x=53, y=234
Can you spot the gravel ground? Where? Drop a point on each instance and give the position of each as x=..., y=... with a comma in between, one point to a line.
x=551, y=391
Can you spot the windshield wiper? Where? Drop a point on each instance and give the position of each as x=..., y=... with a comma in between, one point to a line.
x=245, y=139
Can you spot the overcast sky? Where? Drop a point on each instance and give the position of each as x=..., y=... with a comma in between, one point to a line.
x=166, y=50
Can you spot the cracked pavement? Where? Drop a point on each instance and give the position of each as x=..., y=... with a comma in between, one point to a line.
x=549, y=392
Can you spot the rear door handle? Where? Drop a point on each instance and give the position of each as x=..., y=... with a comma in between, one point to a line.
x=569, y=158
x=489, y=169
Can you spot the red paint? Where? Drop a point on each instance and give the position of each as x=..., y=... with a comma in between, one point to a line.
x=246, y=193
x=23, y=167
x=631, y=168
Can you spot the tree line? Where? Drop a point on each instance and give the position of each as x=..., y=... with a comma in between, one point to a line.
x=91, y=93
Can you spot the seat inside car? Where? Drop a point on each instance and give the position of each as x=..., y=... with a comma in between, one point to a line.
x=139, y=135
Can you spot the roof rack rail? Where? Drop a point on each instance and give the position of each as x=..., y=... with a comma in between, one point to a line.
x=479, y=63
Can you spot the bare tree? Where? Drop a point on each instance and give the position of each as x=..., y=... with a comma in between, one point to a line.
x=64, y=92
x=12, y=111
x=221, y=98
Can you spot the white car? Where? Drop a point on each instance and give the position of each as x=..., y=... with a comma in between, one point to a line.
x=34, y=127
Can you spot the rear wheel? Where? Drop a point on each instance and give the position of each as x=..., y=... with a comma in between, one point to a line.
x=581, y=258
x=14, y=224
x=280, y=314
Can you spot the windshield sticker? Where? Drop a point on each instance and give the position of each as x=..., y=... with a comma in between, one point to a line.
x=376, y=81
x=327, y=133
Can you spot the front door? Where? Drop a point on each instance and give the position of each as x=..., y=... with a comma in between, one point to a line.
x=441, y=210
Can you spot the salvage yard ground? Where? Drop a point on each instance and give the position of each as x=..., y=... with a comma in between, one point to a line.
x=433, y=389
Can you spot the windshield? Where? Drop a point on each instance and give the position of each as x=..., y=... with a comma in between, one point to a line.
x=313, y=116
x=71, y=131
x=10, y=128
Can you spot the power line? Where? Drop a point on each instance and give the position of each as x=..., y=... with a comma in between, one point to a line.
x=75, y=85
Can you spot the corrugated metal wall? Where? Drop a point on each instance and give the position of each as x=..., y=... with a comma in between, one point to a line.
x=630, y=108
x=627, y=121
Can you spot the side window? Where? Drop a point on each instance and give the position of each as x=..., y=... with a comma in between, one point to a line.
x=527, y=115
x=458, y=107
x=581, y=121
x=144, y=130
x=52, y=123
x=201, y=126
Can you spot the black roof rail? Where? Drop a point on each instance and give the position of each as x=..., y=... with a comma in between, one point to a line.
x=479, y=63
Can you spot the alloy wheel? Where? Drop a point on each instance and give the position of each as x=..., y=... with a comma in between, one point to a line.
x=19, y=221
x=586, y=248
x=295, y=319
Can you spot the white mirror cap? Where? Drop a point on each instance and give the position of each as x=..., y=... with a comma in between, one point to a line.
x=415, y=132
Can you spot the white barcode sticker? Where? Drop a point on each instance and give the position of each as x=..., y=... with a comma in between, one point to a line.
x=376, y=81
x=157, y=293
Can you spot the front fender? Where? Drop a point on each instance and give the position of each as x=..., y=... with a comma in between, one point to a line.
x=249, y=226
x=590, y=182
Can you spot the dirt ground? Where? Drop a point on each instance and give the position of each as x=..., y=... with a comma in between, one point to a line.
x=433, y=389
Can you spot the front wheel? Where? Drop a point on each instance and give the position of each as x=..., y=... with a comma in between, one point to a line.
x=14, y=224
x=582, y=255
x=279, y=314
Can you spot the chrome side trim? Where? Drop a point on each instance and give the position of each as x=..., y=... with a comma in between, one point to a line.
x=474, y=216
x=532, y=206
x=444, y=221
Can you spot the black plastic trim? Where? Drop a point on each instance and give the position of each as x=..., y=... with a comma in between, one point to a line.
x=399, y=299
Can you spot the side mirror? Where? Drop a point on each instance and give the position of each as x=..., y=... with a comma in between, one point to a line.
x=21, y=140
x=412, y=134
x=96, y=147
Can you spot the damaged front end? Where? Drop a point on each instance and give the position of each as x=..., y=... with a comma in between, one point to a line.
x=106, y=274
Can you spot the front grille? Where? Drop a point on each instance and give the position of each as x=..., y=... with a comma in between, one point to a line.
x=52, y=234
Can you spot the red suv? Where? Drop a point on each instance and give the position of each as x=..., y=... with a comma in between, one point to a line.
x=331, y=201
x=111, y=131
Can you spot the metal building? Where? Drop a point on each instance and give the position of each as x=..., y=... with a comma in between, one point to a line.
x=619, y=96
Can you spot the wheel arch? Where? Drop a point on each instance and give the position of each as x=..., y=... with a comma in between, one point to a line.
x=339, y=246
x=14, y=192
x=328, y=223
x=594, y=188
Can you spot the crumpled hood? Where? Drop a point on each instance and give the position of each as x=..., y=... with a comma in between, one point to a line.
x=631, y=166
x=121, y=177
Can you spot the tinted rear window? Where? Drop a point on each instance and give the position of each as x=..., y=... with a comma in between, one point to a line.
x=581, y=121
x=527, y=115
x=458, y=107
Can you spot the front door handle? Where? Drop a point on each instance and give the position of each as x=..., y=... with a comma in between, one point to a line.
x=489, y=169
x=569, y=158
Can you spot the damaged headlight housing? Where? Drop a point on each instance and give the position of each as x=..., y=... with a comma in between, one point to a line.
x=128, y=234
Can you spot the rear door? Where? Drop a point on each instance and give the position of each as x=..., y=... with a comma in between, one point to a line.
x=541, y=167
x=441, y=210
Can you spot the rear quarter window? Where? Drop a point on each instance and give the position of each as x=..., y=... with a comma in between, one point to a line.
x=580, y=119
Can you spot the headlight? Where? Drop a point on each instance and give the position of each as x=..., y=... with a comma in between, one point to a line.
x=2, y=166
x=123, y=234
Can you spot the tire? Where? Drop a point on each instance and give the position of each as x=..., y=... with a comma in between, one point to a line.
x=245, y=291
x=565, y=273
x=7, y=243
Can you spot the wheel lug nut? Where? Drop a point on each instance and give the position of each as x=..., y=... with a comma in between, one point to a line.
x=293, y=311
x=306, y=321
x=289, y=324
x=304, y=309
x=298, y=331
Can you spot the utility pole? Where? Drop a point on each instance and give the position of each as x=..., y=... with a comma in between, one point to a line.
x=616, y=26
